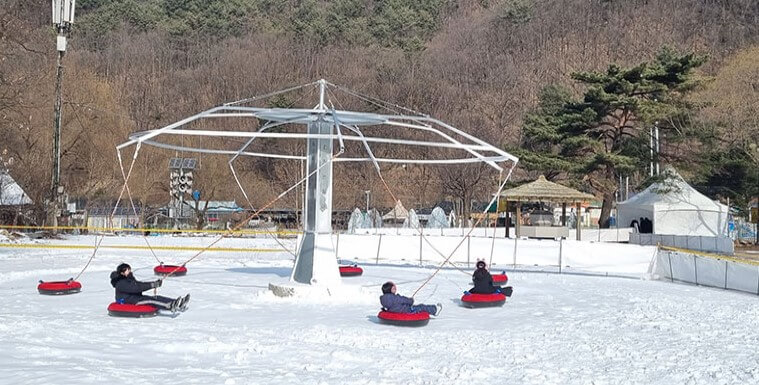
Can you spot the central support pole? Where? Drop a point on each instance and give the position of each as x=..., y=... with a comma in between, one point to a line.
x=316, y=262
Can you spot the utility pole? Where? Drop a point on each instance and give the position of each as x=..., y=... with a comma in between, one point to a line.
x=63, y=19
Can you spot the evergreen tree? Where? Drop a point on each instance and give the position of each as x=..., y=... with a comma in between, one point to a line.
x=605, y=134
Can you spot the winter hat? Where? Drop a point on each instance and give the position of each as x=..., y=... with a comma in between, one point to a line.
x=481, y=264
x=122, y=268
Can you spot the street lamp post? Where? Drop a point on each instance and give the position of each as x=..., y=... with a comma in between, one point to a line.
x=63, y=19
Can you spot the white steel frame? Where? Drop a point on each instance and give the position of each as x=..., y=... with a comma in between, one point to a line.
x=480, y=150
x=315, y=260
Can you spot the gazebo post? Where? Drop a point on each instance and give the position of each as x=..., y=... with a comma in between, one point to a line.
x=518, y=219
x=564, y=214
x=579, y=225
x=508, y=222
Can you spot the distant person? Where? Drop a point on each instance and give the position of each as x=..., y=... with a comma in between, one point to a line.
x=129, y=290
x=483, y=282
x=396, y=303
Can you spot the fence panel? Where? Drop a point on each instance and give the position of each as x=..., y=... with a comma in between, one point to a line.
x=711, y=272
x=404, y=248
x=743, y=277
x=707, y=271
x=722, y=245
x=681, y=241
x=683, y=269
x=584, y=256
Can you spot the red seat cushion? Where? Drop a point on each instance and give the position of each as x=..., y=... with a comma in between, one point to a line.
x=129, y=308
x=170, y=269
x=390, y=316
x=350, y=270
x=59, y=286
x=481, y=298
x=500, y=278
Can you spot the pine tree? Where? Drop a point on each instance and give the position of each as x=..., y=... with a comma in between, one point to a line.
x=605, y=134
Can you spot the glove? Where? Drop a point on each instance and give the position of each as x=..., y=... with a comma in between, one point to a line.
x=157, y=283
x=498, y=291
x=466, y=292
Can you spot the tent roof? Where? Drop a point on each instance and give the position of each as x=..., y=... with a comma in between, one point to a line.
x=544, y=190
x=398, y=212
x=674, y=194
x=11, y=194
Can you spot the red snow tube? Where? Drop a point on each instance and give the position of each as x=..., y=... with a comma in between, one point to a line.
x=500, y=279
x=170, y=269
x=350, y=271
x=404, y=319
x=116, y=309
x=59, y=287
x=483, y=300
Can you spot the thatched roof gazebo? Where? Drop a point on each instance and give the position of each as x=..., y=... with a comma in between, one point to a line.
x=543, y=190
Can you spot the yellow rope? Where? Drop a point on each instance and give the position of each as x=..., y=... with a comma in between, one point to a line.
x=114, y=229
x=136, y=247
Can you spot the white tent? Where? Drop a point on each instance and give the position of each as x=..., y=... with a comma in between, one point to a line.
x=11, y=194
x=398, y=213
x=675, y=208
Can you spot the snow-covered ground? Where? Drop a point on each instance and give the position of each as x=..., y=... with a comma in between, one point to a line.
x=556, y=329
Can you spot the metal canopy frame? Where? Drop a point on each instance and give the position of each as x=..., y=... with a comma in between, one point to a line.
x=315, y=261
x=352, y=121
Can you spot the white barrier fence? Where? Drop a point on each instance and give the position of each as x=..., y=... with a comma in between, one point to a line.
x=721, y=245
x=609, y=258
x=599, y=235
x=706, y=271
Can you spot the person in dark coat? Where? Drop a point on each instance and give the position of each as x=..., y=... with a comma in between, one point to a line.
x=396, y=303
x=483, y=282
x=129, y=290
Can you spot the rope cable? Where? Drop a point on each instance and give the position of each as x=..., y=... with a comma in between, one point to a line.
x=379, y=173
x=239, y=184
x=255, y=214
x=264, y=96
x=500, y=188
x=115, y=207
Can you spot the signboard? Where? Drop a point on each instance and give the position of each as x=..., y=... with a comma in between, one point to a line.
x=755, y=215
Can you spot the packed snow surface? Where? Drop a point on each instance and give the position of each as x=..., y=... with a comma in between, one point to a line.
x=556, y=329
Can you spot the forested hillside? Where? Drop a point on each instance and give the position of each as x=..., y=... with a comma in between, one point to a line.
x=481, y=65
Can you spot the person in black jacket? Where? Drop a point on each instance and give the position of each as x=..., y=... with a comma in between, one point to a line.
x=129, y=290
x=396, y=303
x=483, y=282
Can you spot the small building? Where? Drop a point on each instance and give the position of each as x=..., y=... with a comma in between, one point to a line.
x=15, y=204
x=99, y=214
x=217, y=213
